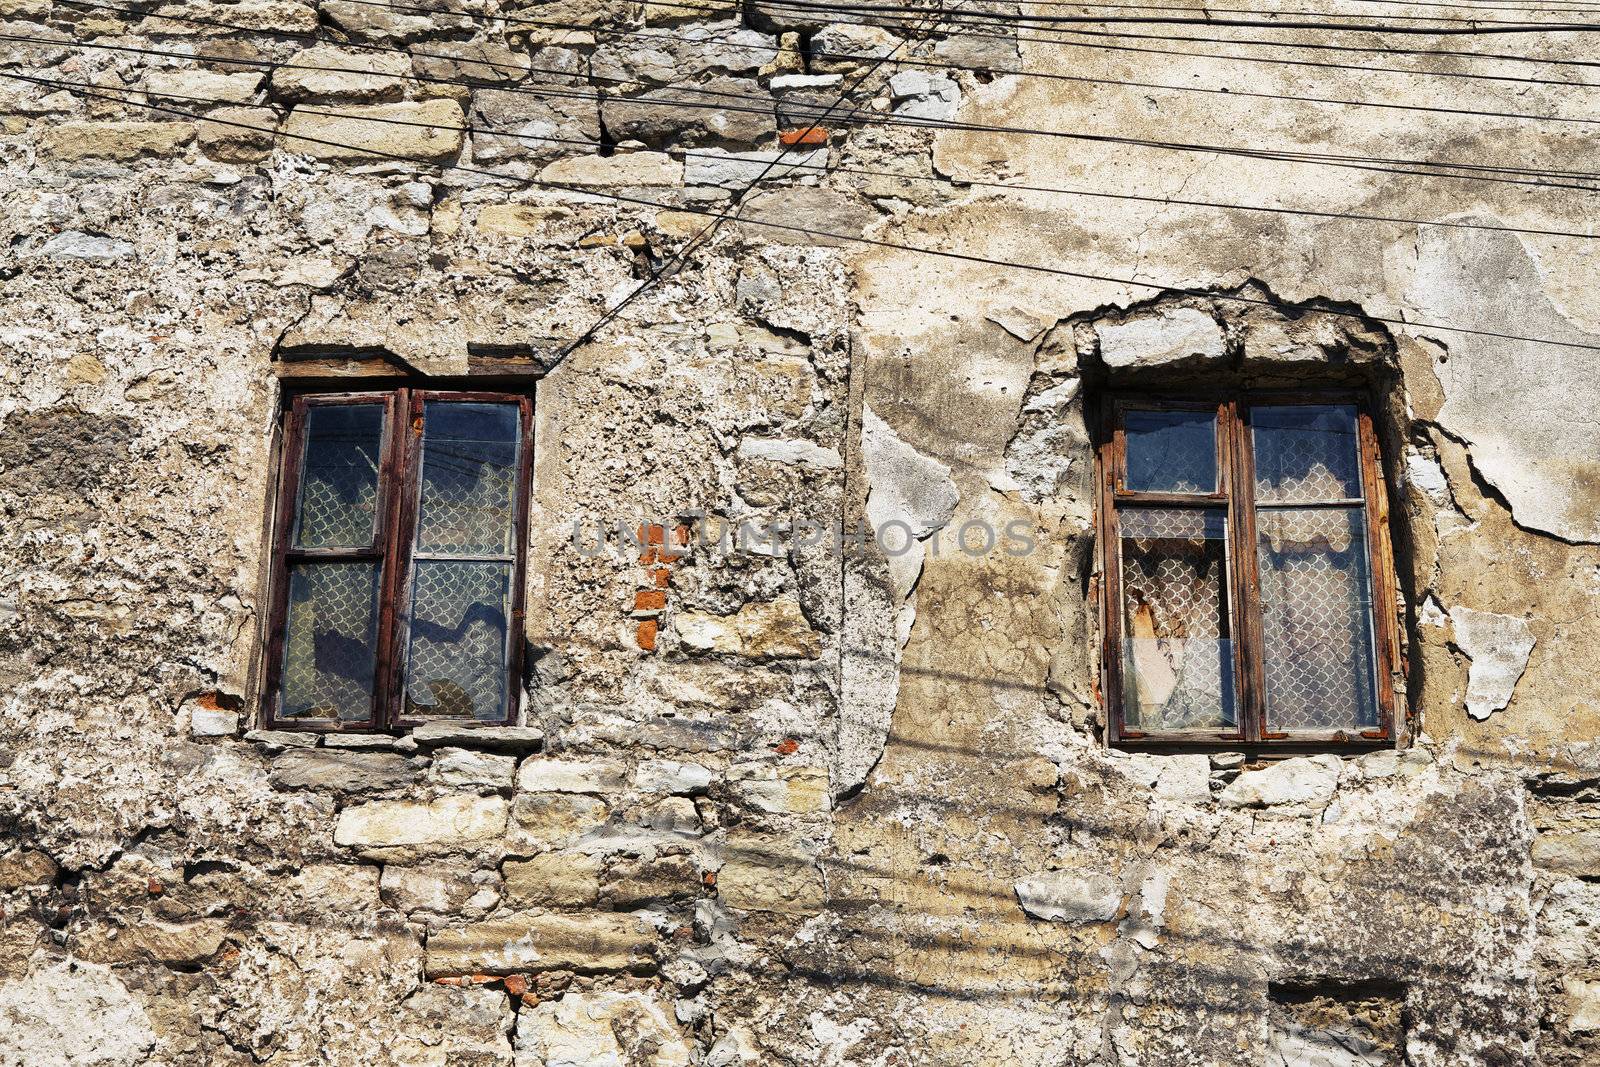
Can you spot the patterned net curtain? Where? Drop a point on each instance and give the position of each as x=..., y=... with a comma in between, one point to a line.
x=456, y=659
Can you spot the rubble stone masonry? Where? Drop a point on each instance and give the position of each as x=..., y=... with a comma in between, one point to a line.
x=786, y=806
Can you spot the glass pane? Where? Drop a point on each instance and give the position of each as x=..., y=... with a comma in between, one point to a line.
x=456, y=666
x=469, y=478
x=1171, y=451
x=338, y=504
x=1306, y=452
x=1316, y=615
x=330, y=641
x=1177, y=650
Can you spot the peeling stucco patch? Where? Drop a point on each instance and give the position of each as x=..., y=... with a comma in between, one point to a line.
x=906, y=487
x=73, y=1013
x=1061, y=896
x=1498, y=646
x=1530, y=434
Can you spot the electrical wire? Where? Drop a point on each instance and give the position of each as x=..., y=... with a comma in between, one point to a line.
x=712, y=93
x=791, y=167
x=1013, y=38
x=820, y=54
x=710, y=229
x=1552, y=178
x=815, y=233
x=1047, y=21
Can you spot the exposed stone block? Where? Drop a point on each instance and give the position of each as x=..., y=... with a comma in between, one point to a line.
x=669, y=114
x=239, y=134
x=275, y=741
x=548, y=775
x=212, y=722
x=341, y=770
x=670, y=776
x=797, y=453
x=467, y=735
x=1070, y=897
x=209, y=84
x=782, y=790
x=593, y=1029
x=846, y=47
x=834, y=216
x=775, y=630
x=347, y=75
x=539, y=942
x=672, y=814
x=87, y=248
x=482, y=61
x=443, y=823
x=1304, y=780
x=1171, y=338
x=920, y=95
x=632, y=882
x=122, y=141
x=286, y=16
x=554, y=820
x=519, y=220
x=519, y=126
x=688, y=53
x=24, y=867
x=770, y=874
x=375, y=23
x=1581, y=1004
x=1574, y=854
x=453, y=889
x=465, y=766
x=689, y=10
x=554, y=880
x=623, y=169
x=426, y=131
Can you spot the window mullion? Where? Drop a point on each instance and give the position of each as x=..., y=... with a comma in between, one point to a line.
x=1246, y=575
x=1381, y=575
x=399, y=462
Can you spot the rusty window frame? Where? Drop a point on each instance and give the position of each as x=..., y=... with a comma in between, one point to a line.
x=1236, y=494
x=399, y=489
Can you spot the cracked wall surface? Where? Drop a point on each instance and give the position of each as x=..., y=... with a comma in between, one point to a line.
x=781, y=804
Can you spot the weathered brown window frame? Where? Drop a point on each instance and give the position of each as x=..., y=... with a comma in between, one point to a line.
x=1236, y=477
x=398, y=496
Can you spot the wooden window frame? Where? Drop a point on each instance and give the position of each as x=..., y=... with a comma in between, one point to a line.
x=399, y=488
x=1236, y=495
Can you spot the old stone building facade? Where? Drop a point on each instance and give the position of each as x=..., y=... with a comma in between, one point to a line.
x=770, y=792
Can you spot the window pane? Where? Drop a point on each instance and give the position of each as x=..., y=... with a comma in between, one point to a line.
x=1306, y=452
x=1316, y=614
x=338, y=503
x=469, y=476
x=330, y=641
x=1177, y=650
x=1171, y=451
x=456, y=666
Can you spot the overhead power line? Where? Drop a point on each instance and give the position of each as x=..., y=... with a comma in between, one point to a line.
x=1199, y=19
x=815, y=233
x=1387, y=49
x=712, y=93
x=1552, y=178
x=797, y=165
x=710, y=229
x=1454, y=6
x=515, y=20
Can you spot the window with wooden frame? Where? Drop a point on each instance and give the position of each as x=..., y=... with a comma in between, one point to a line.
x=1248, y=582
x=398, y=557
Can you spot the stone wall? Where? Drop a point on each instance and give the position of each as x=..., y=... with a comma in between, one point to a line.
x=782, y=805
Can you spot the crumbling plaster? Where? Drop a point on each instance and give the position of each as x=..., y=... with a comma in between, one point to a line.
x=850, y=811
